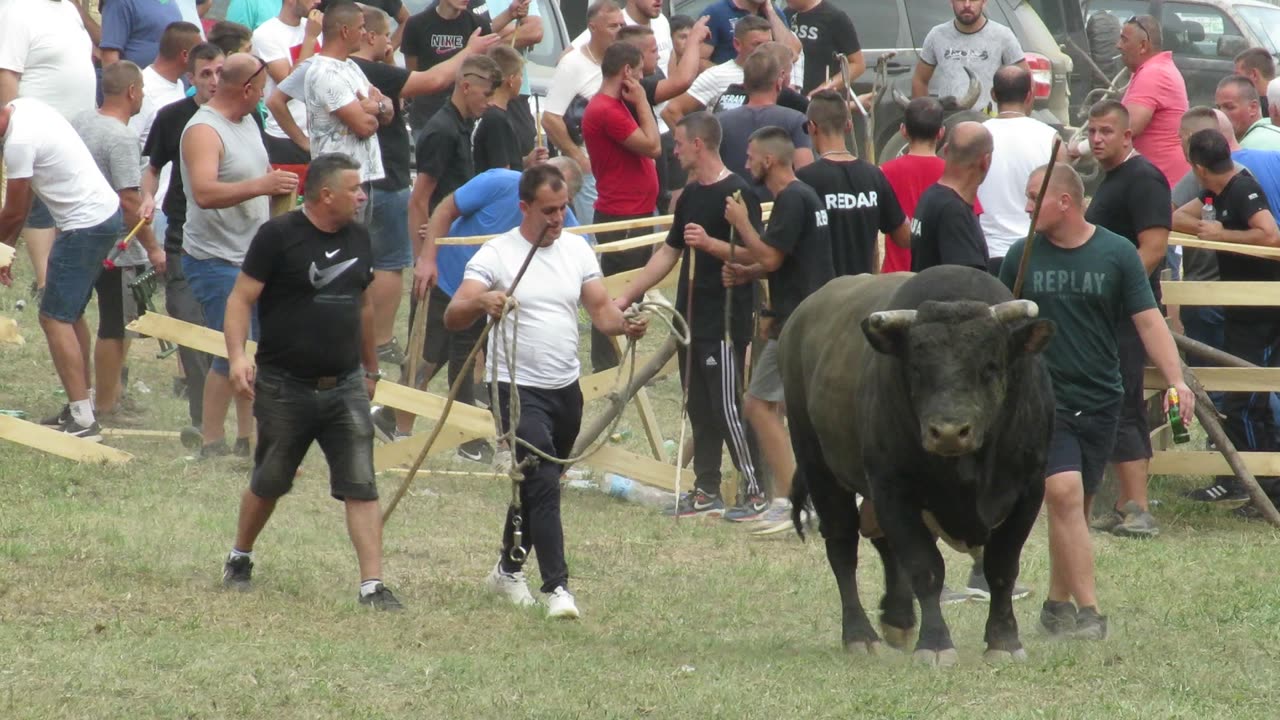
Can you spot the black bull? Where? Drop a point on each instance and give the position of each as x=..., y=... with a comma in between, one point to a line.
x=926, y=395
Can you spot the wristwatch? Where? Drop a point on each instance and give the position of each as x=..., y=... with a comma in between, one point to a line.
x=374, y=375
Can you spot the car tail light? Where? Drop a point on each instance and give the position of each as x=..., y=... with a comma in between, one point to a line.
x=1041, y=74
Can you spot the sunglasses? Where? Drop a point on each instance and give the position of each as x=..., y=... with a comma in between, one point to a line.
x=261, y=67
x=1144, y=24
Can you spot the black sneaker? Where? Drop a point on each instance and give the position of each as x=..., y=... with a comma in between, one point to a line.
x=753, y=509
x=1058, y=618
x=91, y=432
x=1090, y=625
x=59, y=419
x=384, y=423
x=237, y=573
x=381, y=599
x=1247, y=512
x=1223, y=490
x=215, y=449
x=697, y=503
x=978, y=588
x=478, y=451
x=389, y=353
x=190, y=437
x=241, y=448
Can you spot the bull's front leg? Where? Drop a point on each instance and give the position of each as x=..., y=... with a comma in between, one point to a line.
x=917, y=551
x=1003, y=553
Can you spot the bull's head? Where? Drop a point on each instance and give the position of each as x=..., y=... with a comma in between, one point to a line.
x=957, y=359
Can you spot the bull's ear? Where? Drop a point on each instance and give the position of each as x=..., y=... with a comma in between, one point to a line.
x=887, y=338
x=1031, y=337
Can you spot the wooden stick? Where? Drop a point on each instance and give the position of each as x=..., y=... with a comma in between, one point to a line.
x=619, y=397
x=1237, y=248
x=417, y=338
x=1208, y=417
x=655, y=221
x=1209, y=353
x=1025, y=261
x=688, y=374
x=728, y=291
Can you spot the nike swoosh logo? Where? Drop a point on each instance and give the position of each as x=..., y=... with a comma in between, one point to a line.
x=331, y=254
x=320, y=278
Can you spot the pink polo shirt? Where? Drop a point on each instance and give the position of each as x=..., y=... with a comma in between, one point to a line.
x=1158, y=84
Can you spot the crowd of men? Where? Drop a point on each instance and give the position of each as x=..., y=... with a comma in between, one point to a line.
x=186, y=134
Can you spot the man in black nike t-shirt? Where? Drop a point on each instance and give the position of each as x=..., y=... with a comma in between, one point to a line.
x=308, y=272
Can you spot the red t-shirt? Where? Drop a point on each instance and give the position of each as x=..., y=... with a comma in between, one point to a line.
x=626, y=183
x=910, y=176
x=1158, y=85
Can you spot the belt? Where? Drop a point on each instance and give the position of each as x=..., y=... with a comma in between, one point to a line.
x=327, y=382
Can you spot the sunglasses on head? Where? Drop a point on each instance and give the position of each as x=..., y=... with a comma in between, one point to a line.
x=261, y=66
x=1142, y=22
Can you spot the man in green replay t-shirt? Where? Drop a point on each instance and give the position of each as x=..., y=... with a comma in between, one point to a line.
x=1086, y=279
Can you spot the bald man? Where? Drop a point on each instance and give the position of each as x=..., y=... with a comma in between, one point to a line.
x=945, y=229
x=228, y=180
x=1085, y=278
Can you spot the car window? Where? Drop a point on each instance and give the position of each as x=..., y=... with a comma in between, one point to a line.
x=1265, y=24
x=1193, y=29
x=1122, y=9
x=924, y=16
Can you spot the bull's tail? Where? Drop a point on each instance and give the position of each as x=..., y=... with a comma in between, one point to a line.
x=799, y=501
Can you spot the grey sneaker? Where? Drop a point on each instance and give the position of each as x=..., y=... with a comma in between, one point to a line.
x=753, y=509
x=1107, y=522
x=190, y=437
x=384, y=423
x=1137, y=523
x=1089, y=625
x=1058, y=618
x=389, y=353
x=978, y=588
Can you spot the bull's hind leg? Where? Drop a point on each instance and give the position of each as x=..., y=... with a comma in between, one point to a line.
x=897, y=607
x=1000, y=563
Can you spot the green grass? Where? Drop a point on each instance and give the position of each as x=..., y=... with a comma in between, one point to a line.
x=110, y=605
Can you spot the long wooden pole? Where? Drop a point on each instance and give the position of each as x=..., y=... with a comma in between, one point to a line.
x=1035, y=216
x=619, y=397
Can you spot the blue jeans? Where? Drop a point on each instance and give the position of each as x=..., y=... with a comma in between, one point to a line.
x=584, y=204
x=211, y=281
x=389, y=229
x=74, y=265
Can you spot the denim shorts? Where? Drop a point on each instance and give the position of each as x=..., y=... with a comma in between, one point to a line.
x=39, y=218
x=74, y=265
x=293, y=413
x=389, y=229
x=211, y=282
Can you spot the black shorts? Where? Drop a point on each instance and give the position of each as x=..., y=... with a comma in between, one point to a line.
x=283, y=151
x=438, y=345
x=1082, y=443
x=292, y=413
x=1133, y=434
x=116, y=307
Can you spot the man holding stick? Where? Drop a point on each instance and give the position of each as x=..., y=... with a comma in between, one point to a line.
x=713, y=374
x=309, y=384
x=1087, y=280
x=555, y=271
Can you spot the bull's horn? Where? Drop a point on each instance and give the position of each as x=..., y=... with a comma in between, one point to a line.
x=890, y=319
x=1007, y=312
x=901, y=100
x=970, y=95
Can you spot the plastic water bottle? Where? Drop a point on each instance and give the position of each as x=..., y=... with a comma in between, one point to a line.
x=1207, y=213
x=627, y=489
x=669, y=448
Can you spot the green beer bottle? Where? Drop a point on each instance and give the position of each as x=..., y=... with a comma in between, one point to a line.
x=1179, y=428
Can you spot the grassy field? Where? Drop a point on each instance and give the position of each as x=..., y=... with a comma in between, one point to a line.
x=111, y=607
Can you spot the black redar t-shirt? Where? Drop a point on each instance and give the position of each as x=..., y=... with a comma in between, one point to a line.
x=823, y=31
x=1235, y=205
x=704, y=205
x=860, y=203
x=945, y=231
x=736, y=96
x=494, y=143
x=797, y=227
x=393, y=138
x=313, y=281
x=433, y=40
x=1134, y=196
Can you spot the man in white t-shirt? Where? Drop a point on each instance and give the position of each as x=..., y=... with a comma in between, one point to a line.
x=344, y=111
x=576, y=81
x=45, y=158
x=649, y=14
x=562, y=273
x=282, y=42
x=1021, y=144
x=161, y=86
x=47, y=54
x=749, y=33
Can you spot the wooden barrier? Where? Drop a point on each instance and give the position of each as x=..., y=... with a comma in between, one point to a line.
x=56, y=442
x=657, y=221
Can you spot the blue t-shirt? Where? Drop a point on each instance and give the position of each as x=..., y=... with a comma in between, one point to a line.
x=1264, y=165
x=723, y=16
x=490, y=204
x=134, y=27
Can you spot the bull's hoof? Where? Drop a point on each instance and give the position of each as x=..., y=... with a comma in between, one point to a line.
x=936, y=658
x=898, y=638
x=1004, y=657
x=863, y=647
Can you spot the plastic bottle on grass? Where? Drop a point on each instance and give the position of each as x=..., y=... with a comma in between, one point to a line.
x=627, y=489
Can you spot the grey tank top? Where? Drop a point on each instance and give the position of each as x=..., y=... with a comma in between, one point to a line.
x=225, y=233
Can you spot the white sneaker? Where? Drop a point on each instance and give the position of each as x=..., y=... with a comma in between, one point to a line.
x=512, y=586
x=560, y=605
